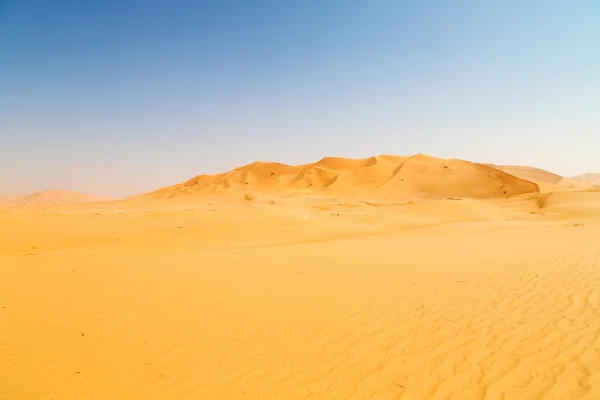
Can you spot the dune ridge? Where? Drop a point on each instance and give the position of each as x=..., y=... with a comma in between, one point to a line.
x=384, y=176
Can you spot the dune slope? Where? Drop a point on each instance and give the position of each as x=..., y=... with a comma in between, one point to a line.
x=547, y=181
x=380, y=176
x=580, y=204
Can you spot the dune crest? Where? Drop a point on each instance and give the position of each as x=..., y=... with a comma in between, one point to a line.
x=382, y=176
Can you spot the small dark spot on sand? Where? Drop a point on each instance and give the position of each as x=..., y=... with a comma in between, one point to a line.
x=77, y=372
x=397, y=384
x=82, y=334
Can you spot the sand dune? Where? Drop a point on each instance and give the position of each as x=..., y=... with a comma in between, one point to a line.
x=547, y=181
x=380, y=176
x=381, y=278
x=582, y=204
x=593, y=179
x=529, y=173
x=7, y=199
x=51, y=197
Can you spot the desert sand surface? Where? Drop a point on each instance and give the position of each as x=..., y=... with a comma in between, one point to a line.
x=394, y=279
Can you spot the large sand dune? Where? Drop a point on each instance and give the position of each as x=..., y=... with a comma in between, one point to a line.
x=381, y=176
x=383, y=278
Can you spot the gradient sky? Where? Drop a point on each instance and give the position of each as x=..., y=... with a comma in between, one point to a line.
x=118, y=97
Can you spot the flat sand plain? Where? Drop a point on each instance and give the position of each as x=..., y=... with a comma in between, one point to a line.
x=309, y=299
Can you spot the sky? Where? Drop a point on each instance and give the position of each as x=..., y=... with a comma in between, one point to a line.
x=120, y=97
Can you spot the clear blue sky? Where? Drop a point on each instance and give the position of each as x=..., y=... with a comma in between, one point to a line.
x=118, y=97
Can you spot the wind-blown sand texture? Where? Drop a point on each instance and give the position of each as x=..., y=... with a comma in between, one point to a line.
x=320, y=295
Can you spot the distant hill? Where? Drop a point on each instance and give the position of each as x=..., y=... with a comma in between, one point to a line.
x=9, y=199
x=593, y=179
x=50, y=197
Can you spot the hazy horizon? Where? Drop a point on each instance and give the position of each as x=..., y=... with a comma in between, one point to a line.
x=120, y=98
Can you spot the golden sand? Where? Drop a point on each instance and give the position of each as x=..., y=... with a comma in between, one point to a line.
x=303, y=296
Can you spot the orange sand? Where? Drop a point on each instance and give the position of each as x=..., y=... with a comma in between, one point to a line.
x=287, y=291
